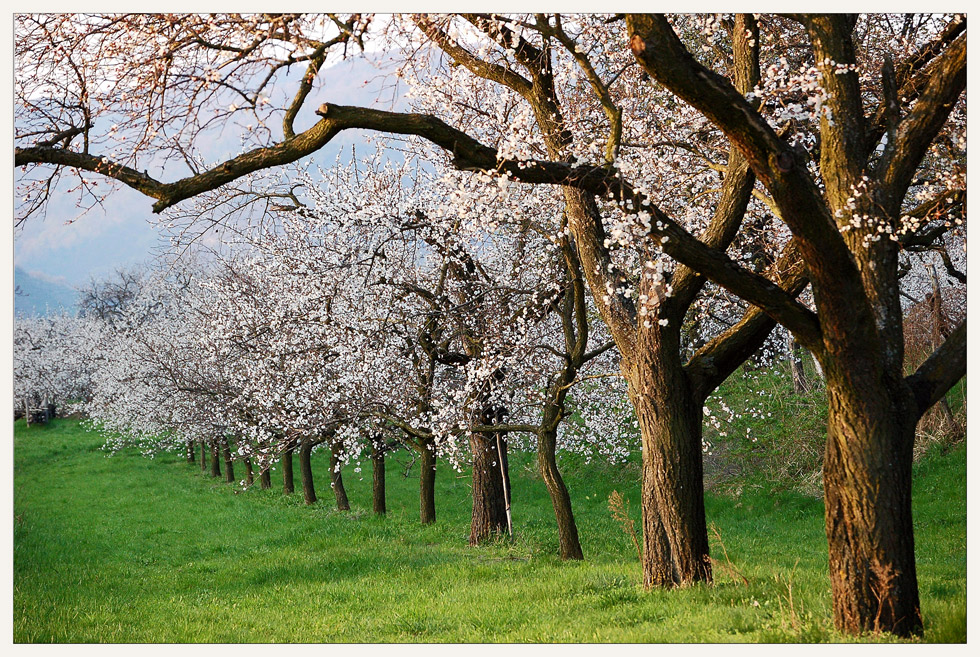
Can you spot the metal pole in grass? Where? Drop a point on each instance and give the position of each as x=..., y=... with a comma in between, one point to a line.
x=503, y=480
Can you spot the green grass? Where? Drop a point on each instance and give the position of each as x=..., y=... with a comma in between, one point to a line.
x=130, y=549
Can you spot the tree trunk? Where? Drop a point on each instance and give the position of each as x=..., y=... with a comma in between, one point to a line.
x=796, y=365
x=215, y=460
x=190, y=451
x=940, y=331
x=378, y=496
x=427, y=485
x=306, y=473
x=249, y=474
x=287, y=472
x=867, y=478
x=265, y=479
x=489, y=504
x=229, y=464
x=568, y=543
x=204, y=459
x=337, y=482
x=675, y=535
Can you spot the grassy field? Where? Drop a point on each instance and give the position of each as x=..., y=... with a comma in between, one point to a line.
x=130, y=549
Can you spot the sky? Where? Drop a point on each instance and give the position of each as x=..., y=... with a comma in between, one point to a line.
x=64, y=247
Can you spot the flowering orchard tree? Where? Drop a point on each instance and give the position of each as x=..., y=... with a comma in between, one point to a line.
x=154, y=389
x=845, y=134
x=849, y=234
x=460, y=331
x=55, y=358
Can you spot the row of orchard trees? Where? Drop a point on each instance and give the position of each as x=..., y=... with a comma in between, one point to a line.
x=366, y=317
x=786, y=164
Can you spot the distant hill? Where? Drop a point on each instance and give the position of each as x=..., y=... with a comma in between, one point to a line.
x=36, y=296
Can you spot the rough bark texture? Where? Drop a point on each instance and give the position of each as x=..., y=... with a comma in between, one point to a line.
x=287, y=472
x=675, y=535
x=337, y=482
x=868, y=502
x=190, y=451
x=249, y=473
x=489, y=506
x=265, y=479
x=204, y=459
x=378, y=496
x=568, y=543
x=306, y=473
x=427, y=486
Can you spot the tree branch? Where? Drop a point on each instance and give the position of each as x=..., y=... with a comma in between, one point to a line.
x=941, y=371
x=915, y=134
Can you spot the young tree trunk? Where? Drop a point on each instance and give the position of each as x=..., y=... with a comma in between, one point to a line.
x=204, y=459
x=249, y=474
x=287, y=472
x=675, y=534
x=215, y=460
x=489, y=503
x=940, y=331
x=796, y=365
x=306, y=472
x=337, y=482
x=378, y=496
x=427, y=485
x=867, y=477
x=568, y=543
x=229, y=463
x=190, y=451
x=265, y=479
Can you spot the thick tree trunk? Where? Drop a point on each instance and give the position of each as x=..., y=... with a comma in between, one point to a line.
x=249, y=473
x=204, y=459
x=337, y=482
x=190, y=451
x=265, y=479
x=489, y=503
x=306, y=473
x=427, y=486
x=568, y=543
x=215, y=460
x=378, y=495
x=675, y=535
x=287, y=472
x=229, y=463
x=867, y=478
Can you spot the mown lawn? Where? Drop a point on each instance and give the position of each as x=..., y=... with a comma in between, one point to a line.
x=131, y=549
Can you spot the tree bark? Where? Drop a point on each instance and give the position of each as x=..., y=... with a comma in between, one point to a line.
x=190, y=451
x=568, y=543
x=229, y=463
x=427, y=485
x=796, y=365
x=287, y=471
x=215, y=460
x=868, y=508
x=204, y=460
x=249, y=474
x=265, y=479
x=378, y=495
x=306, y=472
x=675, y=534
x=337, y=482
x=489, y=504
